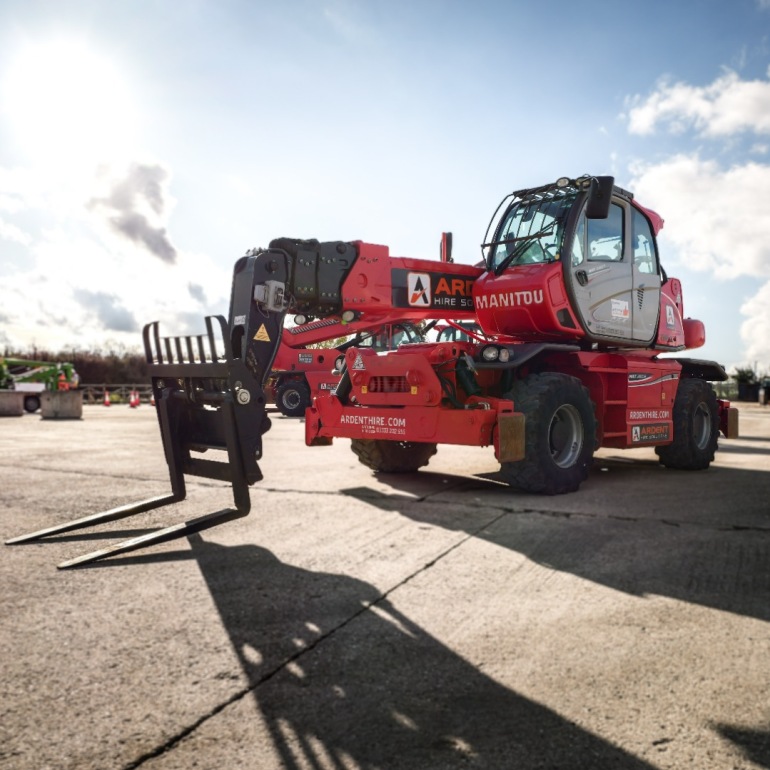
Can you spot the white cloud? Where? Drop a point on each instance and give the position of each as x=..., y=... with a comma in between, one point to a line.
x=754, y=330
x=134, y=203
x=716, y=218
x=84, y=281
x=10, y=232
x=716, y=221
x=725, y=107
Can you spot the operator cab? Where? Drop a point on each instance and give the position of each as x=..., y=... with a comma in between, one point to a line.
x=578, y=259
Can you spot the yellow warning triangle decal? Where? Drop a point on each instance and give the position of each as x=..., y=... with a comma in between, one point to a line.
x=262, y=335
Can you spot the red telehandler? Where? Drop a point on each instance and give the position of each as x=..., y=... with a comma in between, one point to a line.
x=575, y=310
x=299, y=372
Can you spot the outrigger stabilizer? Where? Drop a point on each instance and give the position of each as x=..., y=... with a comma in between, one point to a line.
x=208, y=388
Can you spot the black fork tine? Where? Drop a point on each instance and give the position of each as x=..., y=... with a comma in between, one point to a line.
x=160, y=536
x=114, y=514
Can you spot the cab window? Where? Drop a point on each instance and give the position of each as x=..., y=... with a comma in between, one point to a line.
x=599, y=240
x=643, y=243
x=604, y=237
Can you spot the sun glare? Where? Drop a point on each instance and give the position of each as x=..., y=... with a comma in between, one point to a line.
x=68, y=105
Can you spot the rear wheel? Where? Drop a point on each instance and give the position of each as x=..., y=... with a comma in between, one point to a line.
x=559, y=434
x=696, y=428
x=392, y=456
x=292, y=399
x=31, y=403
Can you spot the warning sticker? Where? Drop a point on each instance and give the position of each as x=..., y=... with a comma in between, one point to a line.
x=262, y=335
x=358, y=363
x=620, y=309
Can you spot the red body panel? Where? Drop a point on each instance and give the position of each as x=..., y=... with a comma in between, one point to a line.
x=328, y=418
x=528, y=304
x=633, y=394
x=303, y=360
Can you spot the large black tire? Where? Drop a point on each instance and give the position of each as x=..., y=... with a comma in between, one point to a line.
x=292, y=398
x=559, y=434
x=392, y=456
x=696, y=428
x=31, y=403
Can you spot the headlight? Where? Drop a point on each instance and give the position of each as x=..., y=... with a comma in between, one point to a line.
x=300, y=319
x=505, y=355
x=490, y=353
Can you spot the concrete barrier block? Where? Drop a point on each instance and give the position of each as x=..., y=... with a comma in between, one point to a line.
x=11, y=403
x=61, y=404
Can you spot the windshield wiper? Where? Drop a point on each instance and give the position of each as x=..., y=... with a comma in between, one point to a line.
x=519, y=250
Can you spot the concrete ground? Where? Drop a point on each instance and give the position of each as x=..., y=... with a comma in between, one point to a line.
x=430, y=620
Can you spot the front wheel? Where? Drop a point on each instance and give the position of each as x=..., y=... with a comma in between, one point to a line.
x=559, y=434
x=392, y=456
x=292, y=399
x=696, y=428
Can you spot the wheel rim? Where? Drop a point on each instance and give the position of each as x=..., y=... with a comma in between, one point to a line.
x=701, y=426
x=291, y=399
x=565, y=436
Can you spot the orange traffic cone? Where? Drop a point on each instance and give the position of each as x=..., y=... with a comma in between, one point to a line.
x=106, y=397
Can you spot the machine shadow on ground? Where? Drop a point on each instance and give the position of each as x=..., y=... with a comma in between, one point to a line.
x=755, y=744
x=338, y=673
x=718, y=564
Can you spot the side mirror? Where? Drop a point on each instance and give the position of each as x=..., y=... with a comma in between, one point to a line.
x=600, y=197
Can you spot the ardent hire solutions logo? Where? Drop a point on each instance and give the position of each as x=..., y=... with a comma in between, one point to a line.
x=418, y=289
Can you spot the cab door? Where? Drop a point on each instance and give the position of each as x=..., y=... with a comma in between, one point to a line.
x=601, y=275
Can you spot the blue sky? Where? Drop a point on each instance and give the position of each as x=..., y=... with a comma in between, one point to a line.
x=144, y=146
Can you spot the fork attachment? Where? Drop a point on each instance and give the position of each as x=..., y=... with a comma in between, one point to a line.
x=208, y=390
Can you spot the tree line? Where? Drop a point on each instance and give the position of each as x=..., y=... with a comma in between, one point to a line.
x=94, y=367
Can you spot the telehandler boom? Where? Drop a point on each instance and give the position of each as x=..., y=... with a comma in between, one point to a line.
x=575, y=311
